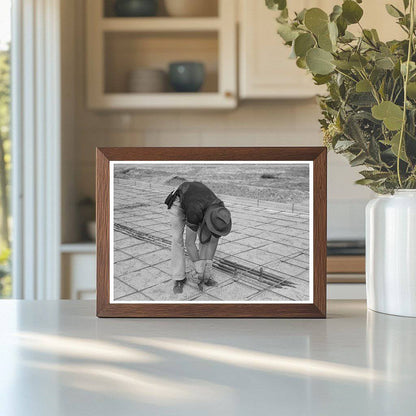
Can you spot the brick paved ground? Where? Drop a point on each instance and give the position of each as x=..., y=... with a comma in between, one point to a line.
x=264, y=258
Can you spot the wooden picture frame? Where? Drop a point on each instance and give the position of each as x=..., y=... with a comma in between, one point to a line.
x=317, y=160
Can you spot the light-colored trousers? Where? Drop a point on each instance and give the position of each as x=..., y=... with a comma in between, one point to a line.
x=177, y=223
x=178, y=264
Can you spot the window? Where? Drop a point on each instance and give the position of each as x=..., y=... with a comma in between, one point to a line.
x=5, y=144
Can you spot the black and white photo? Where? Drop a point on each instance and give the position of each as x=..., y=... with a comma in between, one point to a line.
x=212, y=231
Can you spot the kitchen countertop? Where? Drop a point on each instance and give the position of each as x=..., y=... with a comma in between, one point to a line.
x=57, y=358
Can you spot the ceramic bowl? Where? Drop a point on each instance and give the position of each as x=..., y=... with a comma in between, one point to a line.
x=147, y=80
x=186, y=76
x=135, y=8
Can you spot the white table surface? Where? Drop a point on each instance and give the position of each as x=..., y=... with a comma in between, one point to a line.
x=58, y=359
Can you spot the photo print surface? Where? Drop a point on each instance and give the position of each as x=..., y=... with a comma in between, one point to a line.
x=211, y=232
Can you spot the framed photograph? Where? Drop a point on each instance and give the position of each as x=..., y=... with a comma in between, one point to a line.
x=211, y=232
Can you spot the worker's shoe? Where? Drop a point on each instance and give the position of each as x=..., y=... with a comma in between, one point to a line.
x=178, y=286
x=211, y=282
x=201, y=282
x=208, y=279
x=193, y=276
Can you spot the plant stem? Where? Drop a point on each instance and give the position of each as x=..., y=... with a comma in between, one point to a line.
x=369, y=41
x=345, y=75
x=373, y=90
x=392, y=90
x=397, y=95
x=406, y=80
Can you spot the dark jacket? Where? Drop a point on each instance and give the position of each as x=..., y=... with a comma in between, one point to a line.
x=195, y=198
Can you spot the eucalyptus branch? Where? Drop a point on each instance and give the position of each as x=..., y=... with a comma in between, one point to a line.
x=369, y=41
x=406, y=80
x=373, y=89
x=346, y=75
x=392, y=90
x=403, y=28
x=398, y=95
x=412, y=76
x=378, y=122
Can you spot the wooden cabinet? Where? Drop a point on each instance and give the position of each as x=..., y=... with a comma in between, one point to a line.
x=346, y=269
x=78, y=271
x=265, y=70
x=118, y=45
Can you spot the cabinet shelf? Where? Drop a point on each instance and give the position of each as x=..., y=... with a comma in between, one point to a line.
x=117, y=46
x=198, y=100
x=80, y=247
x=159, y=24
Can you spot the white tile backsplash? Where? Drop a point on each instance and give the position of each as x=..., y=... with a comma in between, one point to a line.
x=286, y=123
x=346, y=219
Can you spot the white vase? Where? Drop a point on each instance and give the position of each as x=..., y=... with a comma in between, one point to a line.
x=391, y=253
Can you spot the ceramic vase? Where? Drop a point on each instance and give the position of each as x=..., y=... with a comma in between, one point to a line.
x=391, y=253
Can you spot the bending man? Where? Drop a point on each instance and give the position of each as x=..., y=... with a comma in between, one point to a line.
x=195, y=206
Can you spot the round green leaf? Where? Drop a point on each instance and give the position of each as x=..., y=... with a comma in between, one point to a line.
x=321, y=79
x=411, y=90
x=347, y=37
x=363, y=86
x=368, y=36
x=351, y=11
x=391, y=114
x=342, y=25
x=301, y=63
x=319, y=61
x=342, y=64
x=300, y=16
x=394, y=144
x=327, y=40
x=333, y=32
x=375, y=35
x=276, y=4
x=403, y=65
x=324, y=42
x=393, y=11
x=336, y=12
x=358, y=61
x=286, y=32
x=316, y=20
x=385, y=63
x=303, y=43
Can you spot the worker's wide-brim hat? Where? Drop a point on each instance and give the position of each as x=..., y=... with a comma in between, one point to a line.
x=217, y=220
